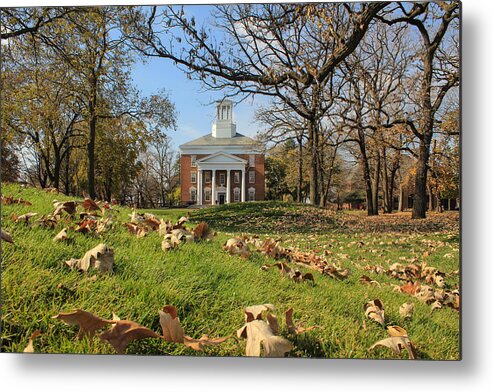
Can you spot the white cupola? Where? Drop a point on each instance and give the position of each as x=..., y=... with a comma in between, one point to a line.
x=223, y=127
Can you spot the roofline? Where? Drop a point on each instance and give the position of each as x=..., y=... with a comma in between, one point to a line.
x=204, y=159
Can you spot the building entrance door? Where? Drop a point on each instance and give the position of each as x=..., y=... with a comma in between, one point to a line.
x=222, y=198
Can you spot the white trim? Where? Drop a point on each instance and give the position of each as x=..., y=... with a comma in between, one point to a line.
x=192, y=181
x=223, y=154
x=208, y=149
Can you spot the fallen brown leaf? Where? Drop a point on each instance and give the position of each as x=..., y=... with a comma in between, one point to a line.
x=100, y=257
x=259, y=334
x=61, y=236
x=237, y=246
x=6, y=236
x=24, y=218
x=88, y=323
x=397, y=344
x=395, y=330
x=123, y=332
x=375, y=311
x=170, y=324
x=296, y=329
x=406, y=310
x=90, y=205
x=30, y=347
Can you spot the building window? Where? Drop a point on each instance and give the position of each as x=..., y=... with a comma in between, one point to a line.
x=207, y=177
x=251, y=194
x=251, y=175
x=237, y=177
x=236, y=194
x=194, y=160
x=193, y=195
x=194, y=177
x=252, y=161
x=207, y=194
x=222, y=178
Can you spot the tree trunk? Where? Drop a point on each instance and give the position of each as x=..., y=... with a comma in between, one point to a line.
x=419, y=204
x=401, y=198
x=300, y=172
x=67, y=172
x=375, y=186
x=313, y=163
x=91, y=151
x=431, y=198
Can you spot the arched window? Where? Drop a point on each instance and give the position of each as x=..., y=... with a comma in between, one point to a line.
x=193, y=194
x=251, y=194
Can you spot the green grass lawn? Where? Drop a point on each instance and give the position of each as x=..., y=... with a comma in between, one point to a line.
x=210, y=288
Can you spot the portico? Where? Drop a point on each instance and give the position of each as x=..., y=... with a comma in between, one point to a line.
x=220, y=178
x=223, y=166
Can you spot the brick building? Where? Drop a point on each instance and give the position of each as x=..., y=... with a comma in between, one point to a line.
x=223, y=166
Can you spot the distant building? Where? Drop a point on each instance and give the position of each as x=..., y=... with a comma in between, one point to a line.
x=223, y=166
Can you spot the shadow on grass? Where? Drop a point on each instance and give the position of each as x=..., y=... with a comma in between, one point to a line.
x=266, y=217
x=306, y=345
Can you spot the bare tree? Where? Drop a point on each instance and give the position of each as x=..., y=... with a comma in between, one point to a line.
x=432, y=21
x=287, y=51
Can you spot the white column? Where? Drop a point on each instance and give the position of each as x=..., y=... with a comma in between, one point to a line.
x=243, y=184
x=199, y=187
x=213, y=197
x=228, y=186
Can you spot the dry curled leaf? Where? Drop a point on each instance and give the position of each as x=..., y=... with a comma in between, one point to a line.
x=68, y=206
x=170, y=241
x=397, y=344
x=406, y=310
x=375, y=311
x=30, y=346
x=259, y=334
x=237, y=246
x=90, y=205
x=24, y=218
x=88, y=323
x=254, y=312
x=285, y=270
x=152, y=221
x=366, y=280
x=395, y=330
x=87, y=225
x=123, y=332
x=296, y=329
x=61, y=236
x=170, y=324
x=6, y=236
x=10, y=200
x=100, y=257
x=173, y=331
x=201, y=231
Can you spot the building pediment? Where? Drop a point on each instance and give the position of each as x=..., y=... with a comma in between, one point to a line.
x=221, y=157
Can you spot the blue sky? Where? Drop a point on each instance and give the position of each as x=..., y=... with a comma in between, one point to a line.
x=193, y=103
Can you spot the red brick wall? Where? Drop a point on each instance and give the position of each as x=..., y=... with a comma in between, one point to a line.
x=185, y=177
x=185, y=169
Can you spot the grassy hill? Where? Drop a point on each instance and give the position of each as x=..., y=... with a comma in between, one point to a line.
x=210, y=288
